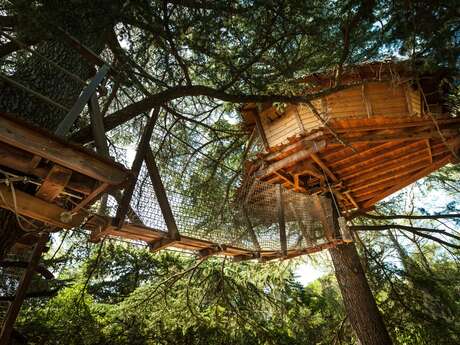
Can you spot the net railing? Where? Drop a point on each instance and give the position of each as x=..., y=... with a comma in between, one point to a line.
x=214, y=202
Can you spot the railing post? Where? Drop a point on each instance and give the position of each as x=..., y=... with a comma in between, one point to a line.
x=281, y=219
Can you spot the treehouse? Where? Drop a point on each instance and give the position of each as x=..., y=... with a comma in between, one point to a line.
x=380, y=131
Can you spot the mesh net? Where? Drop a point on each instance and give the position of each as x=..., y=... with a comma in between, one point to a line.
x=213, y=201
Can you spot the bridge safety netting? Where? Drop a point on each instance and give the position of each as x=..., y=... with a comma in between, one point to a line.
x=213, y=201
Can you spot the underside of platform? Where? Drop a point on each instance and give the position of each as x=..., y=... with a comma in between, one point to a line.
x=362, y=160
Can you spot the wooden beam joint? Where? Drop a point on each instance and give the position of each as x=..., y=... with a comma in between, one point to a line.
x=213, y=250
x=160, y=244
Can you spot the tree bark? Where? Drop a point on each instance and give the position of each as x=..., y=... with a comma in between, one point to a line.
x=362, y=311
x=89, y=22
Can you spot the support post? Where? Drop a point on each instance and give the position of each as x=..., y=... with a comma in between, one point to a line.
x=97, y=126
x=136, y=167
x=15, y=306
x=160, y=192
x=281, y=220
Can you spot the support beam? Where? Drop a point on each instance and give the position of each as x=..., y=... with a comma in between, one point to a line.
x=388, y=163
x=397, y=137
x=88, y=91
x=213, y=250
x=351, y=198
x=291, y=160
x=21, y=161
x=160, y=244
x=387, y=155
x=281, y=220
x=136, y=167
x=102, y=188
x=446, y=122
x=296, y=182
x=375, y=151
x=306, y=167
x=288, y=150
x=22, y=136
x=285, y=177
x=97, y=126
x=40, y=269
x=14, y=308
x=247, y=256
x=35, y=208
x=388, y=175
x=161, y=195
x=324, y=167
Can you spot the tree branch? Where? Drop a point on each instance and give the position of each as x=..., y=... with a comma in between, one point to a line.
x=209, y=5
x=415, y=230
x=45, y=293
x=11, y=47
x=402, y=216
x=8, y=21
x=123, y=115
x=23, y=264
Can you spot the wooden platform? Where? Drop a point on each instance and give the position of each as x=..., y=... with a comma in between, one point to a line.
x=54, y=180
x=366, y=160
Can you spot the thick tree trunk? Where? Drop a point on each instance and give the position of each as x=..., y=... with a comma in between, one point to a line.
x=88, y=21
x=362, y=311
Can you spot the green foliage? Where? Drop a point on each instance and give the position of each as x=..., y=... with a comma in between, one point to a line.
x=123, y=294
x=136, y=297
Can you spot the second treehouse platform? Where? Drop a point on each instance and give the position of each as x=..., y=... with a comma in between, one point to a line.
x=384, y=131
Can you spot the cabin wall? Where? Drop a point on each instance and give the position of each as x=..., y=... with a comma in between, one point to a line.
x=366, y=100
x=294, y=121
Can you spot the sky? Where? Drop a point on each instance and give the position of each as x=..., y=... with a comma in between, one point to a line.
x=306, y=272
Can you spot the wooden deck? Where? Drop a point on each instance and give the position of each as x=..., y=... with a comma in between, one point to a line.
x=54, y=178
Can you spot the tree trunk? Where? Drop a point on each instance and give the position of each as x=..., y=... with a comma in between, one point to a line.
x=89, y=22
x=362, y=311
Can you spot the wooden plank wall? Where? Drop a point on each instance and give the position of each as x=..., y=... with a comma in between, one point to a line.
x=366, y=100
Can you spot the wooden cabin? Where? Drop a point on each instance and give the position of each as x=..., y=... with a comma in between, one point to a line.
x=381, y=132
